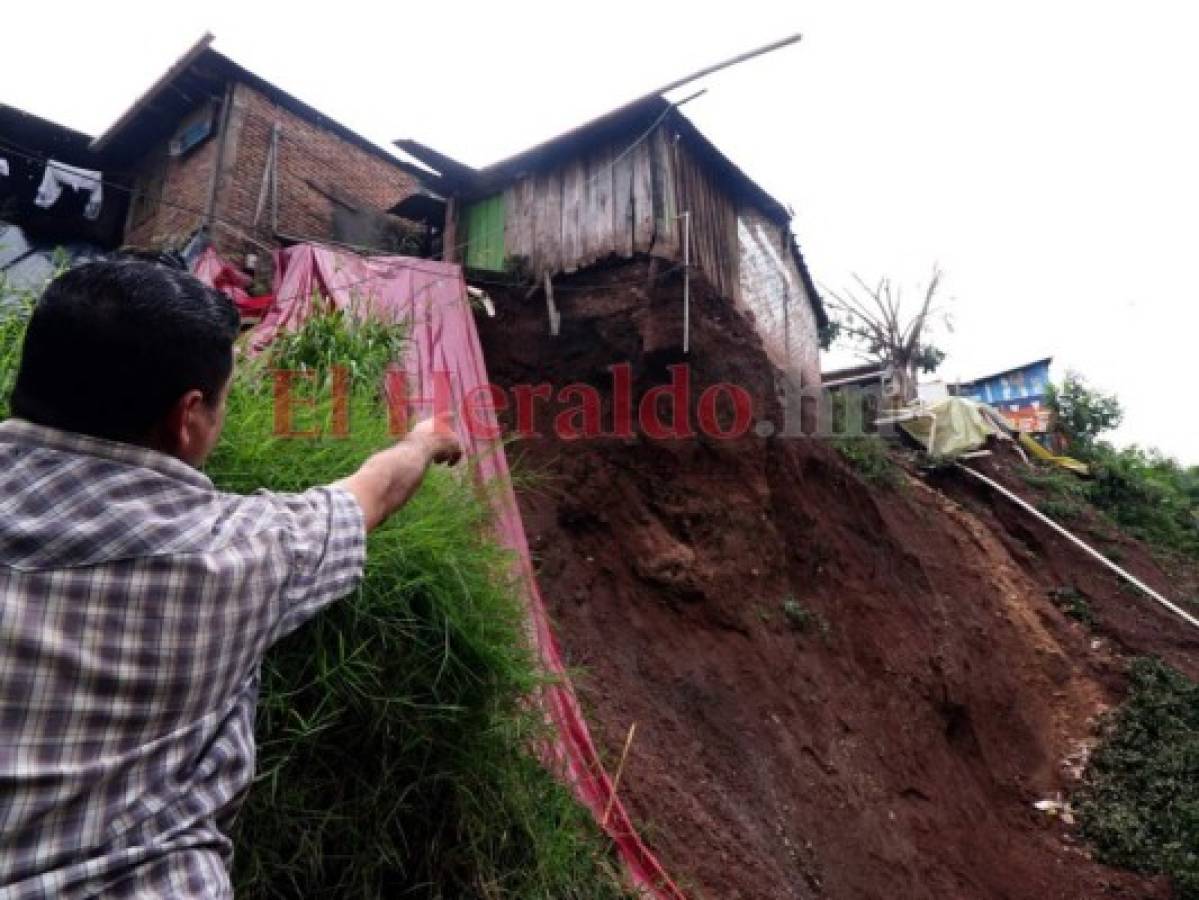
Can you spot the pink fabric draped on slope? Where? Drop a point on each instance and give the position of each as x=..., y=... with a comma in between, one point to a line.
x=430, y=297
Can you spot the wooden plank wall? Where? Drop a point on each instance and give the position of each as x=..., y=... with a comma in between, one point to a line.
x=611, y=202
x=614, y=202
x=713, y=225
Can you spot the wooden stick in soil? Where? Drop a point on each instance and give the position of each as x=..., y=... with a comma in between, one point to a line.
x=628, y=742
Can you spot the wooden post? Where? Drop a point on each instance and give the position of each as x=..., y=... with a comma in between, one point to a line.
x=555, y=318
x=686, y=217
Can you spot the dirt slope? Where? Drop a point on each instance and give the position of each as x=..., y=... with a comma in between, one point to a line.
x=896, y=755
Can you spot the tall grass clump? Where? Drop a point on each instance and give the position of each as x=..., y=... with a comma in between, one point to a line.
x=395, y=733
x=1140, y=802
x=396, y=739
x=15, y=307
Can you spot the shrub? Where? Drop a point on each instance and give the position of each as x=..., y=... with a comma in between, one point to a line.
x=1140, y=801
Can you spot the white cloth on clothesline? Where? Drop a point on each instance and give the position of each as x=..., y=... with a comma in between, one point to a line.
x=59, y=175
x=3, y=166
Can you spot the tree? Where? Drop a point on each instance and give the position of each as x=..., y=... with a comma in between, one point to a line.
x=1082, y=413
x=874, y=320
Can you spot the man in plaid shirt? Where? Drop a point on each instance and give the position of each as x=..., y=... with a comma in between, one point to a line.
x=136, y=601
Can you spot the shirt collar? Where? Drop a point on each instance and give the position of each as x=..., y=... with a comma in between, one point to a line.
x=29, y=434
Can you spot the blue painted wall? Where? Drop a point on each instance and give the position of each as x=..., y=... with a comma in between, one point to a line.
x=1021, y=386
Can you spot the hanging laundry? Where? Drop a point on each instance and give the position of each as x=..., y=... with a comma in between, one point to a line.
x=59, y=175
x=3, y=166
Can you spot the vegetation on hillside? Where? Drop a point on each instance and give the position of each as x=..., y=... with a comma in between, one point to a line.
x=1153, y=497
x=1140, y=803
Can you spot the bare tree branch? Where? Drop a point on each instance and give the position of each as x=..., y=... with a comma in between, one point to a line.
x=874, y=316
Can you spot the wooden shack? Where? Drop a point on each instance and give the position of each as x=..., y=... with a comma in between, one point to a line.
x=626, y=185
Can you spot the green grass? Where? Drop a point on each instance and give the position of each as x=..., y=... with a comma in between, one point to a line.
x=1061, y=510
x=804, y=620
x=1150, y=496
x=395, y=737
x=1071, y=601
x=1145, y=494
x=867, y=455
x=15, y=307
x=1140, y=802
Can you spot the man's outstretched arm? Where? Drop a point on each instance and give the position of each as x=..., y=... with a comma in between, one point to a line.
x=388, y=479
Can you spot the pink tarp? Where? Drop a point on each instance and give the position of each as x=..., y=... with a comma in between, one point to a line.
x=430, y=297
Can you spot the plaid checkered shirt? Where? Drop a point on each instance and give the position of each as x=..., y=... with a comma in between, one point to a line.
x=136, y=603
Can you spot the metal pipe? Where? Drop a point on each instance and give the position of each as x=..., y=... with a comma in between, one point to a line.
x=1131, y=579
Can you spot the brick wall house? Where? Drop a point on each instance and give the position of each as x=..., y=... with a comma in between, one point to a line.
x=253, y=165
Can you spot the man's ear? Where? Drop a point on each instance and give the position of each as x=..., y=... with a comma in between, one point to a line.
x=180, y=433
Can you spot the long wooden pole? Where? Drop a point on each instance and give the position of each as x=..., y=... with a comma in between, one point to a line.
x=731, y=61
x=628, y=743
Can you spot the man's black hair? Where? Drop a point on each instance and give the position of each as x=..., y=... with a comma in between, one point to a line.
x=111, y=346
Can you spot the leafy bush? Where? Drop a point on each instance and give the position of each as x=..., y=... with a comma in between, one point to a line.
x=1140, y=802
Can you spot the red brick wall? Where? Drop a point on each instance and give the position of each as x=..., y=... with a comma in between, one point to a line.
x=307, y=153
x=178, y=202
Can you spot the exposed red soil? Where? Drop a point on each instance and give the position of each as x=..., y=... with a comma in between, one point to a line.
x=897, y=755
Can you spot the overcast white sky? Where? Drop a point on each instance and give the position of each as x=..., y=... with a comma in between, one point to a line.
x=1046, y=154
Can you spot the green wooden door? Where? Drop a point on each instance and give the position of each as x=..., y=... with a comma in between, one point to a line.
x=485, y=233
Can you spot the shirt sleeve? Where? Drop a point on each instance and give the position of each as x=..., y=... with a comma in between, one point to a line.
x=325, y=533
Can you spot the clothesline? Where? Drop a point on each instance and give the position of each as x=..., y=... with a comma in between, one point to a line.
x=57, y=176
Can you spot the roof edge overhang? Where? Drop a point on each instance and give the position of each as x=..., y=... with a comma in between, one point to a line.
x=178, y=67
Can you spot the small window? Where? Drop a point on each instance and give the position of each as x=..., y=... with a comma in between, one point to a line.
x=193, y=130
